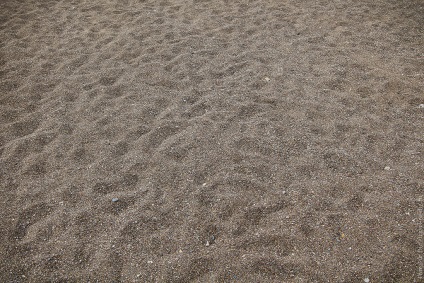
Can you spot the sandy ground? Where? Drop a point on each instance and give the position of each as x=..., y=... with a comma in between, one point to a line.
x=245, y=141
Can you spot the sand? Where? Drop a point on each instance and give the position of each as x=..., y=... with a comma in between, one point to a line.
x=244, y=141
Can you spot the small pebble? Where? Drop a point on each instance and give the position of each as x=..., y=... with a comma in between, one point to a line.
x=267, y=79
x=421, y=106
x=207, y=243
x=366, y=280
x=387, y=168
x=115, y=199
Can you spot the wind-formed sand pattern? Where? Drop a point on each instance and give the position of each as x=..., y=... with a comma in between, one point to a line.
x=211, y=141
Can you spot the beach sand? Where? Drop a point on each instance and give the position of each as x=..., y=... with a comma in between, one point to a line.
x=240, y=141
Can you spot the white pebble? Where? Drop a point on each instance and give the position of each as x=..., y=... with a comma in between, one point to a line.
x=387, y=168
x=366, y=280
x=421, y=106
